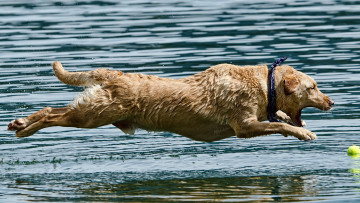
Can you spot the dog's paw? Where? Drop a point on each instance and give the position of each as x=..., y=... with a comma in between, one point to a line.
x=17, y=124
x=283, y=116
x=306, y=135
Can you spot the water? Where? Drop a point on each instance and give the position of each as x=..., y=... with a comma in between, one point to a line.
x=175, y=39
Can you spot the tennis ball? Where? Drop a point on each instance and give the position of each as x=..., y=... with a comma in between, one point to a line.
x=353, y=150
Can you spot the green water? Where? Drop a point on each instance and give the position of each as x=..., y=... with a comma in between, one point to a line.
x=175, y=39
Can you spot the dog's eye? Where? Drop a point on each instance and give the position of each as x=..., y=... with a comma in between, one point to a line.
x=310, y=88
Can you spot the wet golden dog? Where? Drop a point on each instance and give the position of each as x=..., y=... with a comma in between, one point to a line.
x=222, y=101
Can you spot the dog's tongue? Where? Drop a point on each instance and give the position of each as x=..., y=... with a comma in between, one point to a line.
x=297, y=120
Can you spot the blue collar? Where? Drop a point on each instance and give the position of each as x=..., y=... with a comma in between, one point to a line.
x=272, y=92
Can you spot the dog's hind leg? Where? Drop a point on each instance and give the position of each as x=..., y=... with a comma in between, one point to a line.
x=22, y=125
x=92, y=109
x=68, y=117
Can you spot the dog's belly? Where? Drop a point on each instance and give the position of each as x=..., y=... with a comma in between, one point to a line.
x=201, y=131
x=207, y=133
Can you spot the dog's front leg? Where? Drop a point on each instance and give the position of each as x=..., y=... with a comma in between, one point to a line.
x=254, y=128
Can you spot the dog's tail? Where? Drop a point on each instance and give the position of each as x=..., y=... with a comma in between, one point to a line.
x=89, y=78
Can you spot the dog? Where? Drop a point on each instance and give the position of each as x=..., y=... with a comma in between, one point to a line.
x=223, y=101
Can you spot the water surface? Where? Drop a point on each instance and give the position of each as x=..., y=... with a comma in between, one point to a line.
x=175, y=39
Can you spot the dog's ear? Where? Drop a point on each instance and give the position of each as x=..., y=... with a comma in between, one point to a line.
x=291, y=84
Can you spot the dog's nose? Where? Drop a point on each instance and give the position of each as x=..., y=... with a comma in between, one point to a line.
x=331, y=103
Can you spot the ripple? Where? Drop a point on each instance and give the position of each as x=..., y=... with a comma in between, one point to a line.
x=176, y=39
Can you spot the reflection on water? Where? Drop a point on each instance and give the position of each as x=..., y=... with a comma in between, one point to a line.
x=90, y=187
x=262, y=188
x=176, y=39
x=215, y=189
x=355, y=169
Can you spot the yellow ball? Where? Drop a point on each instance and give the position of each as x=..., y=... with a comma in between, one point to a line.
x=353, y=150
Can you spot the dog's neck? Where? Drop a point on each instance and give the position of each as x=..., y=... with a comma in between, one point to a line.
x=271, y=108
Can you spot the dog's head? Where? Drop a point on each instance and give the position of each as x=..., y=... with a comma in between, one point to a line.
x=297, y=91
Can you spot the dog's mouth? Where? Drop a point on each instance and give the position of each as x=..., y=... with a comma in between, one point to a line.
x=296, y=121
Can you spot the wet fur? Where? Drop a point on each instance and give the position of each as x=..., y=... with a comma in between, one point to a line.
x=222, y=101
